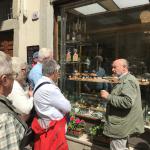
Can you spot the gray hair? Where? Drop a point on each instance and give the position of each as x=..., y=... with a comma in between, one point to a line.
x=49, y=67
x=5, y=64
x=125, y=63
x=18, y=64
x=44, y=53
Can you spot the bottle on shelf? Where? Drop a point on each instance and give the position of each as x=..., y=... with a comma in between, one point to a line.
x=75, y=55
x=73, y=36
x=68, y=56
x=68, y=33
x=87, y=62
x=68, y=36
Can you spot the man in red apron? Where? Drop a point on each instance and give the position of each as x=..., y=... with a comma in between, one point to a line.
x=51, y=107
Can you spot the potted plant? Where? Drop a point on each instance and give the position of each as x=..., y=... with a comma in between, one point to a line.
x=96, y=135
x=75, y=126
x=96, y=130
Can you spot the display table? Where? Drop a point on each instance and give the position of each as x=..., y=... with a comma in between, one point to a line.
x=83, y=143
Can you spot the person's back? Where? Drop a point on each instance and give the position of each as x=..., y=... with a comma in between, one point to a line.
x=51, y=107
x=100, y=72
x=11, y=130
x=36, y=72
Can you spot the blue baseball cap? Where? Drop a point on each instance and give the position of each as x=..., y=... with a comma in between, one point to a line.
x=35, y=55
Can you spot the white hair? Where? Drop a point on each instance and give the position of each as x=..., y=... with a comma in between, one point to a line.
x=5, y=64
x=18, y=64
x=44, y=53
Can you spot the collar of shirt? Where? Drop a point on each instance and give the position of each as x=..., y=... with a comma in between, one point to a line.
x=47, y=78
x=122, y=75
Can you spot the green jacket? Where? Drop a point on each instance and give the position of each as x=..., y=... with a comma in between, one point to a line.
x=124, y=109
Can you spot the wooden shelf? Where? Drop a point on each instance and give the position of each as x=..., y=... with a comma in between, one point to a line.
x=102, y=80
x=89, y=79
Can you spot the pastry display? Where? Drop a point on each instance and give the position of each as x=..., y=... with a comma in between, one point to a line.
x=143, y=81
x=92, y=77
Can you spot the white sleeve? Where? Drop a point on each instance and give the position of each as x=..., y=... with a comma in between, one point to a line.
x=21, y=101
x=59, y=101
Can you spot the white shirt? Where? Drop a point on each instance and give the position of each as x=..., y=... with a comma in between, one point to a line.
x=49, y=102
x=20, y=100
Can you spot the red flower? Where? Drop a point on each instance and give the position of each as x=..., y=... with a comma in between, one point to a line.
x=77, y=121
x=72, y=118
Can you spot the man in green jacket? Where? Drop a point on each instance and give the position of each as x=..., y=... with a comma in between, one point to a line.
x=124, y=110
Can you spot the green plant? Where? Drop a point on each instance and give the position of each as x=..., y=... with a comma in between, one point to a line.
x=96, y=130
x=76, y=123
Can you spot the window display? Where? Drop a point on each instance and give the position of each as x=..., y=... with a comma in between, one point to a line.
x=90, y=44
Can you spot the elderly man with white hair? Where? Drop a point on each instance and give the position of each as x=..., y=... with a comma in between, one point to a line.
x=124, y=115
x=36, y=72
x=11, y=128
x=22, y=100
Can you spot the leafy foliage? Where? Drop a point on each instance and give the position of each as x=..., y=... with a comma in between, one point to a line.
x=96, y=130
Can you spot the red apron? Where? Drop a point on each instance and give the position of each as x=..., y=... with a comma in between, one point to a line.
x=51, y=139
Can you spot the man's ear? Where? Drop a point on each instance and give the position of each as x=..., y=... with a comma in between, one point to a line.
x=3, y=80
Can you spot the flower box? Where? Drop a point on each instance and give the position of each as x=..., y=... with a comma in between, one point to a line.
x=75, y=133
x=75, y=126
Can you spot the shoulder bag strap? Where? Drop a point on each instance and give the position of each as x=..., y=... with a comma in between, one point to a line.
x=40, y=86
x=13, y=112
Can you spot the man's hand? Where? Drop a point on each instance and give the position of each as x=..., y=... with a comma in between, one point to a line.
x=104, y=94
x=30, y=93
